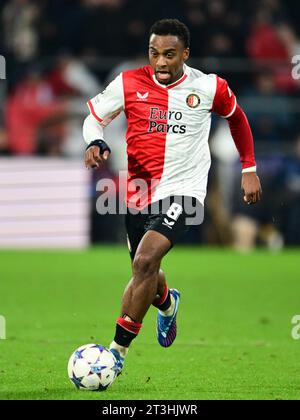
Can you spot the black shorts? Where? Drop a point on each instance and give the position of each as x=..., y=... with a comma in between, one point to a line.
x=172, y=217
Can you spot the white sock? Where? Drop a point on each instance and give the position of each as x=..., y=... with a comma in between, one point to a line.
x=170, y=310
x=120, y=349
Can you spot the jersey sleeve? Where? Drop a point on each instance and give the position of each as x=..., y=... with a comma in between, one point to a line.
x=108, y=104
x=224, y=103
x=243, y=139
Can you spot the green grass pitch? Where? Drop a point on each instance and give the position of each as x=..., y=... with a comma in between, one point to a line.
x=234, y=325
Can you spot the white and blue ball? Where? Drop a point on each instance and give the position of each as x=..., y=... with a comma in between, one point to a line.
x=92, y=367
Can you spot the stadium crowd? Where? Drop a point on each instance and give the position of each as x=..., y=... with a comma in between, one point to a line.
x=59, y=53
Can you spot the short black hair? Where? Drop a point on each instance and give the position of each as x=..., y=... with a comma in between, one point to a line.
x=172, y=27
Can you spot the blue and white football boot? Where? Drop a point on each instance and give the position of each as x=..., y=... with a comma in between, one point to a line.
x=119, y=361
x=166, y=325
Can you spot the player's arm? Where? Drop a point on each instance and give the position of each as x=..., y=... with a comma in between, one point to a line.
x=242, y=136
x=103, y=109
x=225, y=104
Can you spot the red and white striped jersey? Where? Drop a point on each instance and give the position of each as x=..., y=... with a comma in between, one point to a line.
x=168, y=129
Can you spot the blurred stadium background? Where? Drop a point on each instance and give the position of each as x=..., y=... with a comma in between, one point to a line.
x=59, y=53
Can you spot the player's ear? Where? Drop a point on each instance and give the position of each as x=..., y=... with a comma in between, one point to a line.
x=186, y=54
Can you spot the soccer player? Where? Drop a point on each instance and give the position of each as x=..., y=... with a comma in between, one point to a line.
x=168, y=106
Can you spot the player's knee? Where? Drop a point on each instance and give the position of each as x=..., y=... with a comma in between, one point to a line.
x=145, y=265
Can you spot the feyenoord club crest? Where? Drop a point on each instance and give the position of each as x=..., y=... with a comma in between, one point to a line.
x=193, y=100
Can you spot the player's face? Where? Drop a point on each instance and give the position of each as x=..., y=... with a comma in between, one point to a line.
x=167, y=56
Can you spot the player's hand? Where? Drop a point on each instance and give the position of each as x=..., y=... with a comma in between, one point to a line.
x=251, y=187
x=93, y=158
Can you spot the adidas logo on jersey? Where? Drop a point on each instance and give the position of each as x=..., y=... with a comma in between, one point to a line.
x=142, y=97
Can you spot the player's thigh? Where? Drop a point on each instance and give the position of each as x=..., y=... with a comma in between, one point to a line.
x=151, y=249
x=135, y=231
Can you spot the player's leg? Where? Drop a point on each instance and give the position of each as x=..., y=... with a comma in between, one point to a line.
x=141, y=290
x=163, y=299
x=173, y=223
x=161, y=288
x=169, y=224
x=135, y=227
x=162, y=283
x=144, y=285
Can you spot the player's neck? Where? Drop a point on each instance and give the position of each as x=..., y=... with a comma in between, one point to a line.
x=177, y=78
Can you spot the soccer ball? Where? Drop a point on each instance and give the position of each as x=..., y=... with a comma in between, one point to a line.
x=92, y=367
